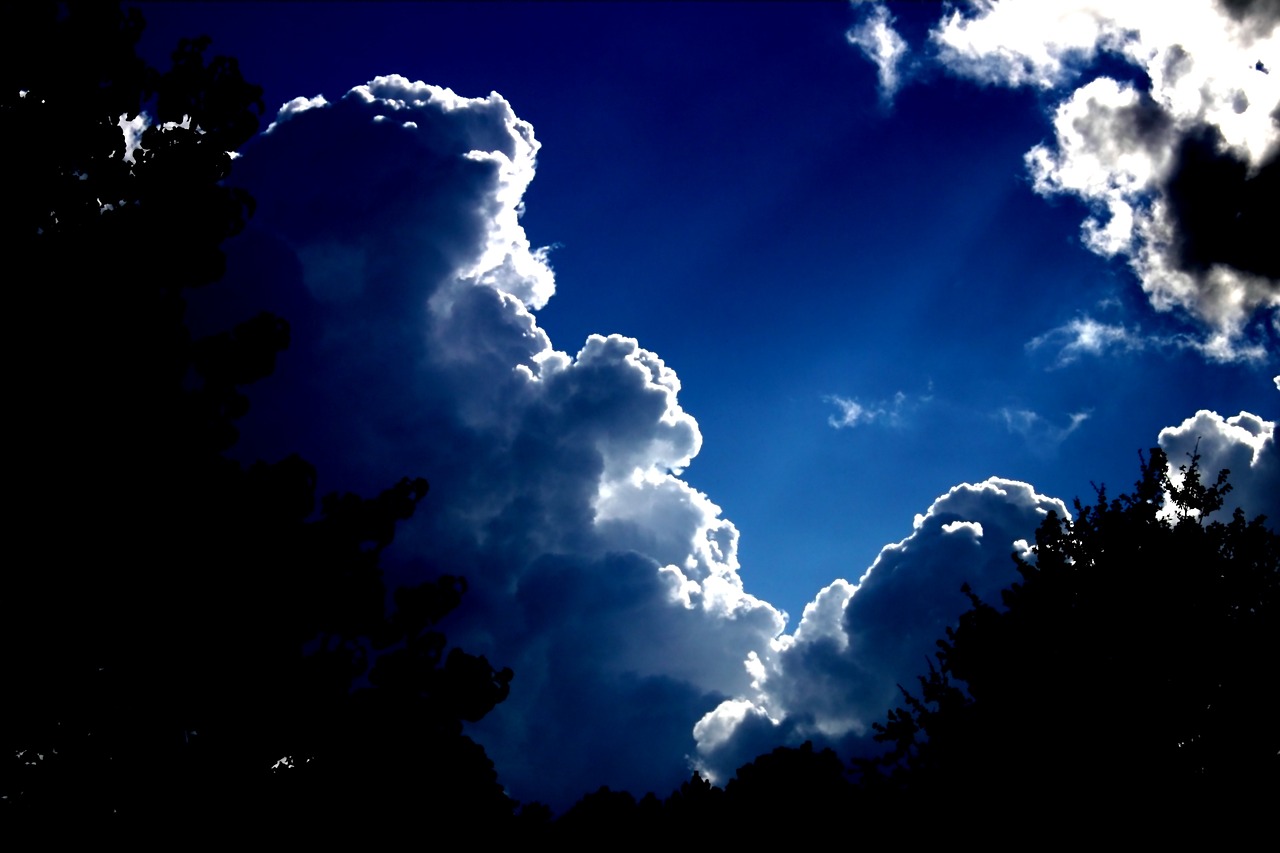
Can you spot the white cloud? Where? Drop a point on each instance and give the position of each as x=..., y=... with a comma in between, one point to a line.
x=293, y=107
x=1087, y=336
x=838, y=672
x=879, y=42
x=970, y=528
x=1173, y=174
x=1038, y=44
x=1244, y=444
x=823, y=617
x=714, y=729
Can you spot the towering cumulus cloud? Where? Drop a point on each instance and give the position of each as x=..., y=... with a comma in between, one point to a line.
x=1179, y=166
x=388, y=232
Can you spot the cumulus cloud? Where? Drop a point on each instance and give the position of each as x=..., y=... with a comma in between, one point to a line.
x=1244, y=444
x=1178, y=169
x=838, y=672
x=879, y=42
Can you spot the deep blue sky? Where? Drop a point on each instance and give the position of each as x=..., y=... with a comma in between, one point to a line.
x=728, y=185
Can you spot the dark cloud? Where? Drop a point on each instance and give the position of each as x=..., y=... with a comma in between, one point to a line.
x=1260, y=16
x=1177, y=62
x=597, y=704
x=1224, y=212
x=1137, y=125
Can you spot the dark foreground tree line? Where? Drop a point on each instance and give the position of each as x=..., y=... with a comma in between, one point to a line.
x=195, y=645
x=179, y=624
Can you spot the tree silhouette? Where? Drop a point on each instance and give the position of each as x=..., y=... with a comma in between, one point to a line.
x=179, y=624
x=1126, y=678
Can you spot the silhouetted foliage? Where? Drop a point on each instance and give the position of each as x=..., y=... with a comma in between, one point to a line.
x=779, y=792
x=1128, y=676
x=788, y=786
x=179, y=624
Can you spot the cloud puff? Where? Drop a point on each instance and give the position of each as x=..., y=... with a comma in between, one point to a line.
x=1245, y=444
x=838, y=672
x=879, y=42
x=1178, y=173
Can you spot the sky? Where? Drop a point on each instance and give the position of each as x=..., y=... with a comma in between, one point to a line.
x=734, y=338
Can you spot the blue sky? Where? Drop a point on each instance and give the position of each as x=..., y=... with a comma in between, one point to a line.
x=842, y=288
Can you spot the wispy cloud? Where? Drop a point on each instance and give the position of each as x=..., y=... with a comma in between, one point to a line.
x=879, y=42
x=1040, y=432
x=851, y=412
x=1087, y=336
